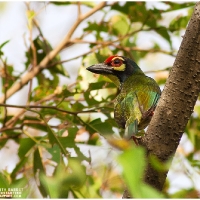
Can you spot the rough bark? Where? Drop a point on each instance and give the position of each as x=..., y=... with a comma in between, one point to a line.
x=176, y=103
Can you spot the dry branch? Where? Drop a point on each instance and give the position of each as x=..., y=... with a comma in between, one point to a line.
x=44, y=63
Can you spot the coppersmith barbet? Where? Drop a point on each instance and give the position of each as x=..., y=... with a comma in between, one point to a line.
x=138, y=93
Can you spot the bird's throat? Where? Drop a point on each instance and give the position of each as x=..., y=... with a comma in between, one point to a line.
x=114, y=79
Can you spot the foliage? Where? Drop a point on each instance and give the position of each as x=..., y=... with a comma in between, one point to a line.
x=61, y=123
x=133, y=171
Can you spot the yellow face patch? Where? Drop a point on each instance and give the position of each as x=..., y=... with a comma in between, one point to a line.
x=118, y=64
x=121, y=68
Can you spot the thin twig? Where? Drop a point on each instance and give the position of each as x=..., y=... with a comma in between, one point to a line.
x=128, y=49
x=10, y=129
x=76, y=57
x=5, y=137
x=12, y=121
x=106, y=43
x=31, y=122
x=100, y=44
x=30, y=25
x=43, y=64
x=32, y=50
x=47, y=49
x=49, y=107
x=79, y=9
x=5, y=89
x=157, y=71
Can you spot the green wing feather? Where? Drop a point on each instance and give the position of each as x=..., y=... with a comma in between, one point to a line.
x=135, y=105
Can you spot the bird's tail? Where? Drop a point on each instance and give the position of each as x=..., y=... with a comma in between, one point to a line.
x=131, y=129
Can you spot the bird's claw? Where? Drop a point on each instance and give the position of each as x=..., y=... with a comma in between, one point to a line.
x=135, y=139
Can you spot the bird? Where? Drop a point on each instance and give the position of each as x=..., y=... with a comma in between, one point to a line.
x=138, y=94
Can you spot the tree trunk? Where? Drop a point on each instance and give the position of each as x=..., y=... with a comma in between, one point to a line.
x=176, y=103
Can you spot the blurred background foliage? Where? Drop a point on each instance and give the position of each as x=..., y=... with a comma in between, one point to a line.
x=57, y=146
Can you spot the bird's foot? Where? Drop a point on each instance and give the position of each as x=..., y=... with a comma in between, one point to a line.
x=135, y=139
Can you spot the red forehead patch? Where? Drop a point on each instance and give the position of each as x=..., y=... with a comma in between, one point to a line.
x=109, y=59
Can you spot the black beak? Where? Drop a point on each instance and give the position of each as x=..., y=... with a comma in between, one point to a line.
x=100, y=69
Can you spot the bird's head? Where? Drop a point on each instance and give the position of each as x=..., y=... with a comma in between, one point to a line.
x=117, y=68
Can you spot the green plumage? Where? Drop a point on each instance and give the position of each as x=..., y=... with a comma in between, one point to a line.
x=138, y=96
x=135, y=103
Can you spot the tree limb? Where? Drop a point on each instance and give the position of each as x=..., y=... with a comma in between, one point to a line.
x=48, y=107
x=43, y=64
x=176, y=103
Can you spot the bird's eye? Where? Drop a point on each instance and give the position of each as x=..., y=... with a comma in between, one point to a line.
x=116, y=62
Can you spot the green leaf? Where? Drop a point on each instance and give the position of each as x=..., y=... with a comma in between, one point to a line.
x=43, y=48
x=153, y=17
x=67, y=142
x=3, y=181
x=38, y=166
x=65, y=3
x=133, y=171
x=119, y=24
x=60, y=3
x=54, y=139
x=189, y=193
x=136, y=11
x=66, y=92
x=56, y=153
x=180, y=22
x=103, y=128
x=80, y=155
x=96, y=28
x=93, y=26
x=20, y=165
x=77, y=106
x=1, y=46
x=30, y=14
x=100, y=85
x=176, y=5
x=90, y=4
x=163, y=31
x=10, y=78
x=21, y=184
x=159, y=166
x=150, y=192
x=65, y=179
x=25, y=145
x=88, y=98
x=4, y=43
x=38, y=169
x=74, y=180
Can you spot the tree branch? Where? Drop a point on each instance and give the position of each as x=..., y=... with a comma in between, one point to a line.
x=5, y=89
x=49, y=107
x=43, y=64
x=101, y=44
x=175, y=105
x=32, y=122
x=10, y=123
